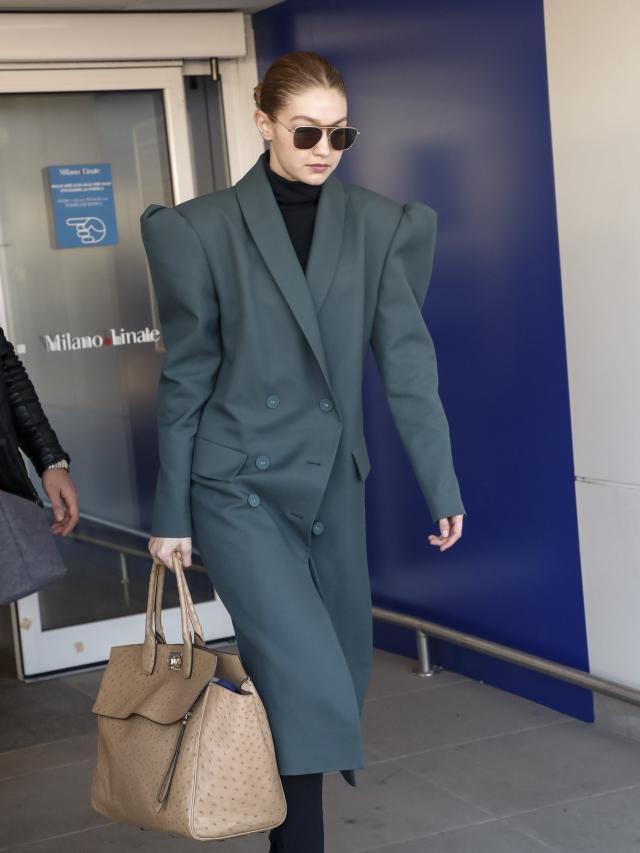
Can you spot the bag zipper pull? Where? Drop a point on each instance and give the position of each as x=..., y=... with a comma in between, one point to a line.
x=163, y=793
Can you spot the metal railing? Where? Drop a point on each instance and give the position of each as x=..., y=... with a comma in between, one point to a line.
x=425, y=629
x=123, y=550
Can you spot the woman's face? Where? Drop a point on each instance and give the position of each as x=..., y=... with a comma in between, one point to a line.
x=315, y=105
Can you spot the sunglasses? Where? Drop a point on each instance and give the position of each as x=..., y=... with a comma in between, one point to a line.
x=307, y=136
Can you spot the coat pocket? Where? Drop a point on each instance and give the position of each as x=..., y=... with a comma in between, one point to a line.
x=216, y=461
x=361, y=457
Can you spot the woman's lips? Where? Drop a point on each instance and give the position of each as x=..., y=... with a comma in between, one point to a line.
x=319, y=167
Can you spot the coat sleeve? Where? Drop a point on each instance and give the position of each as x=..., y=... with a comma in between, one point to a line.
x=406, y=358
x=189, y=319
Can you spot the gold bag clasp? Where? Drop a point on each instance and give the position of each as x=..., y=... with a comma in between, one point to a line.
x=174, y=660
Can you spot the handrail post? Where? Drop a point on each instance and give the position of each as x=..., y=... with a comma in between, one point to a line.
x=124, y=578
x=424, y=670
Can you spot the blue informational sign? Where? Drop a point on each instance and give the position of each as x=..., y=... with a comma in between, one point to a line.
x=83, y=208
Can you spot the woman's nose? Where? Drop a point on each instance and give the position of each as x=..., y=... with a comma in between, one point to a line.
x=323, y=146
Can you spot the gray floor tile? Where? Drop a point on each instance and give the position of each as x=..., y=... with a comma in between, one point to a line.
x=13, y=734
x=87, y=682
x=43, y=711
x=450, y=715
x=52, y=802
x=534, y=768
x=389, y=805
x=395, y=674
x=50, y=693
x=32, y=759
x=492, y=837
x=609, y=823
x=120, y=838
x=447, y=757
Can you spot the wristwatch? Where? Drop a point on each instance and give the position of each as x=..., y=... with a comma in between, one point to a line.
x=61, y=464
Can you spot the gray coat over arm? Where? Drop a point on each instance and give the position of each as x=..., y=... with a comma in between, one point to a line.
x=263, y=457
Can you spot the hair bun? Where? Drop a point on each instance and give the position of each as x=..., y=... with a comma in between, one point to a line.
x=292, y=74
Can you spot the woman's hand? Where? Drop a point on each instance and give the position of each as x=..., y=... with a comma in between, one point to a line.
x=161, y=549
x=450, y=532
x=62, y=493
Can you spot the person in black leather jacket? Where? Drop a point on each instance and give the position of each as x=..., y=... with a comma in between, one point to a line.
x=24, y=426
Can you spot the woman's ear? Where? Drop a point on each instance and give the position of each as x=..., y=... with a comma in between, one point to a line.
x=263, y=123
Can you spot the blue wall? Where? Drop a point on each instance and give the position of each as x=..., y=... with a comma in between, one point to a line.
x=451, y=98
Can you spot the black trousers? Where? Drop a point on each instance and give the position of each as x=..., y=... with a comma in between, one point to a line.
x=302, y=831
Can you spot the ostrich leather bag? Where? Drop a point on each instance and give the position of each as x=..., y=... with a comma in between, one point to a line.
x=178, y=751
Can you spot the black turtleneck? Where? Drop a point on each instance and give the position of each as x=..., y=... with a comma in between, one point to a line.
x=298, y=203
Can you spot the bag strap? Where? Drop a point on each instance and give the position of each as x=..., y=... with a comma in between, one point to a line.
x=154, y=632
x=159, y=589
x=150, y=639
x=193, y=616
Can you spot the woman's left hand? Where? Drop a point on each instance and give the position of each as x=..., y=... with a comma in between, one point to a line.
x=62, y=493
x=450, y=532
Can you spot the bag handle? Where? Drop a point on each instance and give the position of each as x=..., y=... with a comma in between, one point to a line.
x=199, y=635
x=188, y=612
x=153, y=621
x=158, y=592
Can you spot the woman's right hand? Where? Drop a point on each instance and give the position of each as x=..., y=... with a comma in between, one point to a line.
x=161, y=549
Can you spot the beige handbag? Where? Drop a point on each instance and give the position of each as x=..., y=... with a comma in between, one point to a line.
x=177, y=751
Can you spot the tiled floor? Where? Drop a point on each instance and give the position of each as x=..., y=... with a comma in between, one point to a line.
x=453, y=766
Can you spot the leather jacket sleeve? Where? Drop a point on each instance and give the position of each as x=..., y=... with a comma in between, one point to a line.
x=35, y=434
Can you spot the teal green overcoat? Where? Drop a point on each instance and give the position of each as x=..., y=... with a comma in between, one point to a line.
x=263, y=459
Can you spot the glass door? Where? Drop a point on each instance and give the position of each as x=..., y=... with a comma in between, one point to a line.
x=82, y=153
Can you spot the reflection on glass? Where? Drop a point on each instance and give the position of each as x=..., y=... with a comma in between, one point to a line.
x=100, y=396
x=107, y=577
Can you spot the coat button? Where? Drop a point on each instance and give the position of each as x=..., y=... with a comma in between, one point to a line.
x=272, y=401
x=326, y=404
x=253, y=499
x=317, y=527
x=262, y=462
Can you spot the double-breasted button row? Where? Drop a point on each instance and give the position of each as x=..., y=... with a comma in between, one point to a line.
x=262, y=463
x=253, y=499
x=273, y=401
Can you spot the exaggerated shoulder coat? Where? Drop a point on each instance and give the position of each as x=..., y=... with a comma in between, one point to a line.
x=263, y=457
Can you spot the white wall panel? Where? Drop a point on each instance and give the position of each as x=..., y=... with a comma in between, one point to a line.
x=594, y=89
x=610, y=544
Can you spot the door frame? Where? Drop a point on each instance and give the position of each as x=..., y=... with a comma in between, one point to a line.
x=167, y=77
x=88, y=644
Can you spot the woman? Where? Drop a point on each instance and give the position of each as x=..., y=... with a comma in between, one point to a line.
x=24, y=426
x=262, y=450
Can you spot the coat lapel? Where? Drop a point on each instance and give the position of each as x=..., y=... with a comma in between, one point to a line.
x=327, y=239
x=303, y=293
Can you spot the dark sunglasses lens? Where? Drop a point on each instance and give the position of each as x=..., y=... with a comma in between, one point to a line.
x=343, y=137
x=306, y=137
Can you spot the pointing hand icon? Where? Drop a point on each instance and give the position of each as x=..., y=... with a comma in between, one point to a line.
x=89, y=229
